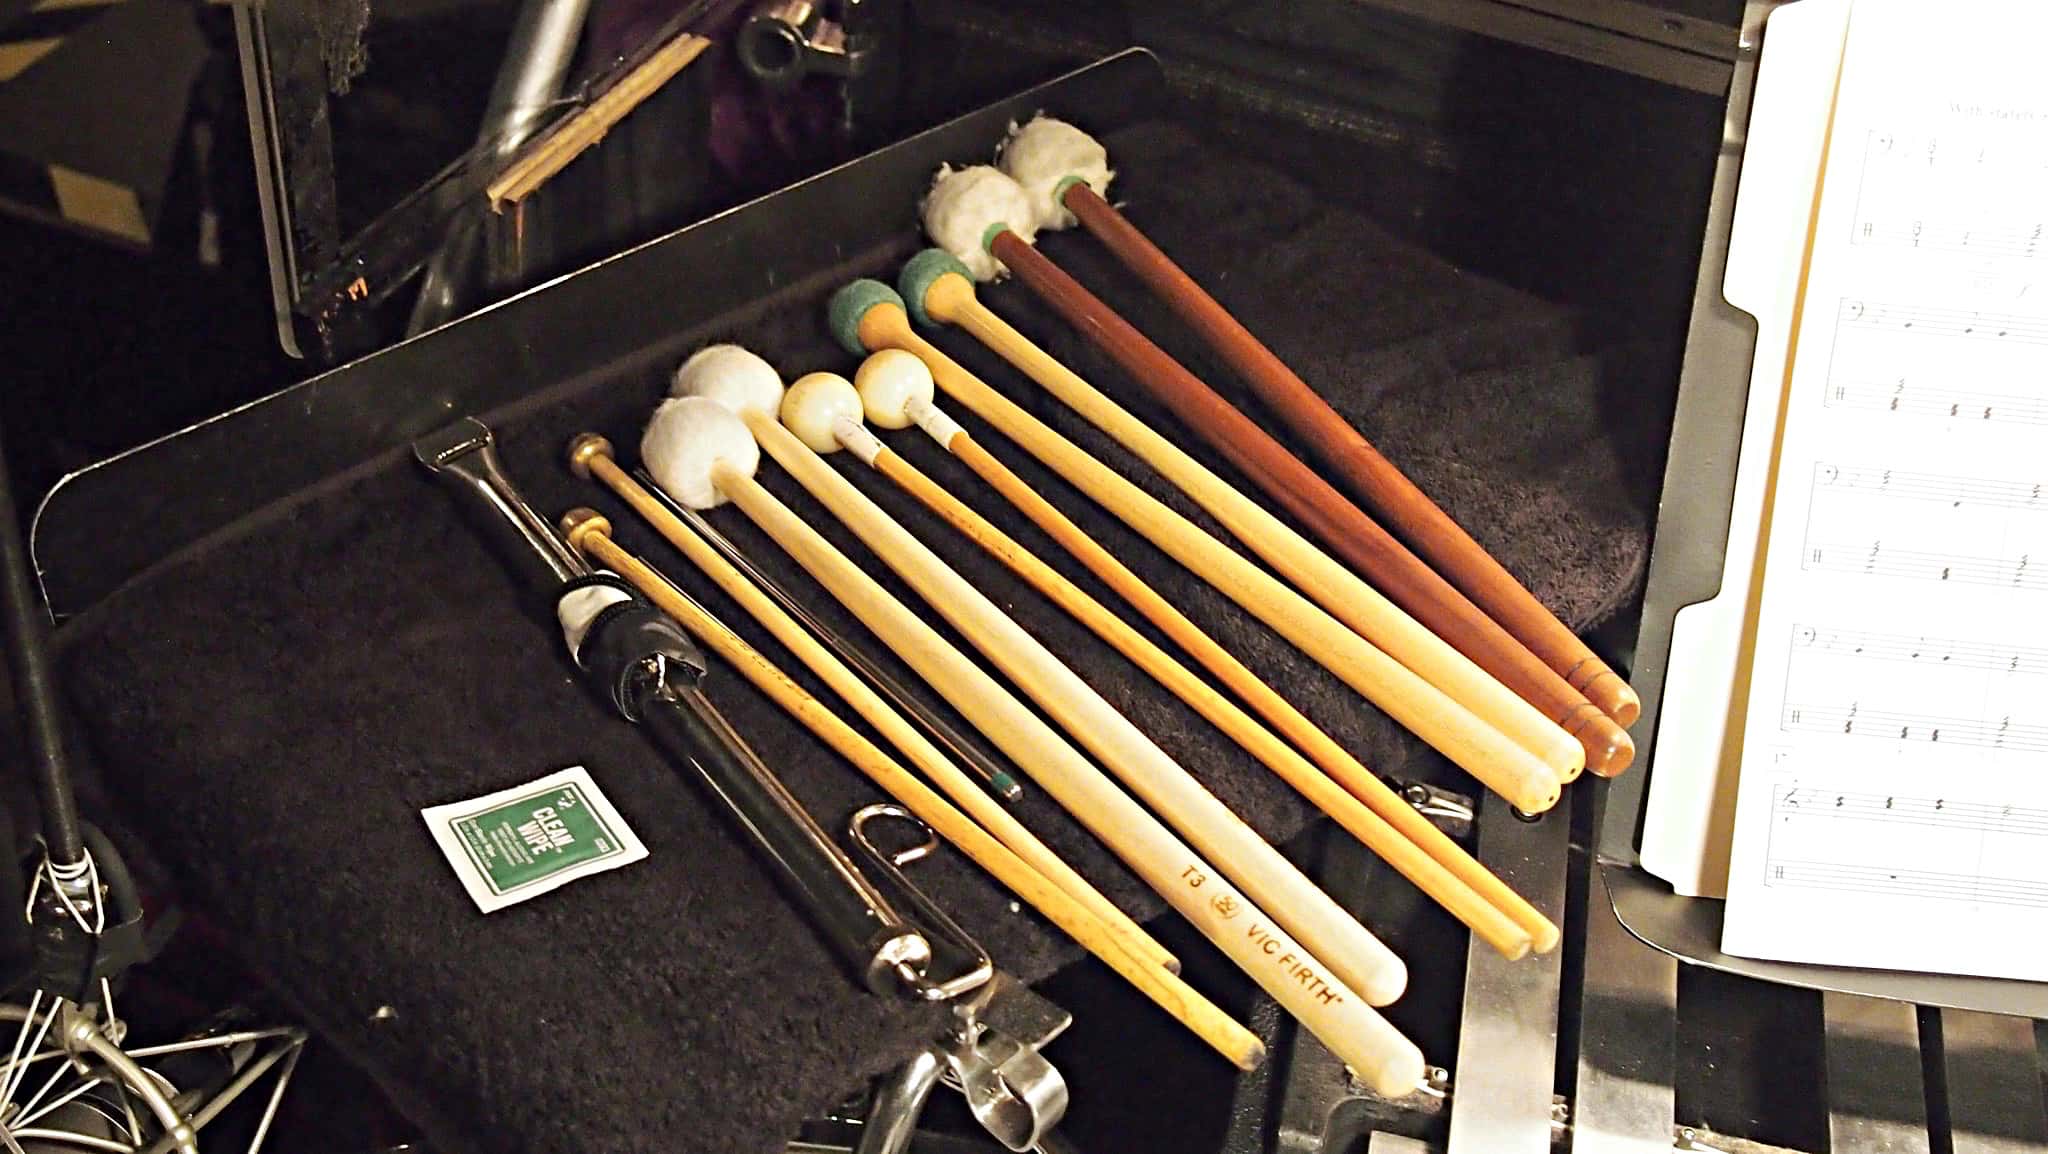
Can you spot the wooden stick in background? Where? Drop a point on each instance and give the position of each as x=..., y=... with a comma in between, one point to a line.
x=590, y=534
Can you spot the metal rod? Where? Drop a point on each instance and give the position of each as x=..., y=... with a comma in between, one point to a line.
x=943, y=733
x=35, y=684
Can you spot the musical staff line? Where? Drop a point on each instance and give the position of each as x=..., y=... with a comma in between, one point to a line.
x=1927, y=320
x=1853, y=720
x=1952, y=491
x=1942, y=652
x=1918, y=400
x=1792, y=803
x=1874, y=558
x=1845, y=877
x=2026, y=242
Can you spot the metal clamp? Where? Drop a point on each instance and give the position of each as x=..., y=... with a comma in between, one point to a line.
x=784, y=41
x=938, y=927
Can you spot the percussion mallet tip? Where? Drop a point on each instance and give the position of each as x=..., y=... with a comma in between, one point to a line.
x=844, y=312
x=893, y=385
x=968, y=208
x=685, y=443
x=735, y=377
x=923, y=271
x=1049, y=156
x=579, y=523
x=815, y=405
x=585, y=448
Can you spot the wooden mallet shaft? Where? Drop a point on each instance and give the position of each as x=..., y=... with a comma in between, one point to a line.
x=1303, y=986
x=592, y=454
x=1327, y=931
x=1369, y=475
x=1474, y=746
x=590, y=535
x=1441, y=635
x=1267, y=702
x=1492, y=925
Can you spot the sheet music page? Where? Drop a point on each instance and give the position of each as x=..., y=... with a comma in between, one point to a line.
x=1893, y=805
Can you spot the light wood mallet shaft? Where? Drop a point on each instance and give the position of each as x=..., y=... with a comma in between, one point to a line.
x=1303, y=986
x=1491, y=924
x=1604, y=746
x=1433, y=629
x=1474, y=746
x=589, y=534
x=1267, y=702
x=592, y=454
x=1329, y=932
x=1373, y=478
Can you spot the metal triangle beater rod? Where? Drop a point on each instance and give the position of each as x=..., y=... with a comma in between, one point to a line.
x=704, y=547
x=649, y=671
x=704, y=453
x=825, y=412
x=1066, y=170
x=590, y=534
x=867, y=315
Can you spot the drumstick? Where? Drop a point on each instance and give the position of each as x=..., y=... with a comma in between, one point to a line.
x=1326, y=929
x=703, y=455
x=896, y=391
x=1045, y=165
x=868, y=315
x=591, y=455
x=975, y=209
x=823, y=414
x=590, y=534
x=937, y=286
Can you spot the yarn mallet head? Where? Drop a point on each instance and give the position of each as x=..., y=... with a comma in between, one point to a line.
x=1048, y=156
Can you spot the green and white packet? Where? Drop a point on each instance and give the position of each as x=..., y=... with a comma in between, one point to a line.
x=519, y=843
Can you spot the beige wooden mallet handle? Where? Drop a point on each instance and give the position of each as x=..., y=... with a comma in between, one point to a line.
x=951, y=299
x=1491, y=924
x=1471, y=744
x=589, y=534
x=592, y=455
x=1330, y=1010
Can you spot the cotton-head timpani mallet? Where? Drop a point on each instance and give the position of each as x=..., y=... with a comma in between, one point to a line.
x=897, y=390
x=703, y=454
x=590, y=534
x=825, y=413
x=591, y=455
x=1413, y=614
x=868, y=315
x=1066, y=171
x=1326, y=929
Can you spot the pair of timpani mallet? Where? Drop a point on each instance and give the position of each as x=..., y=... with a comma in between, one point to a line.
x=704, y=445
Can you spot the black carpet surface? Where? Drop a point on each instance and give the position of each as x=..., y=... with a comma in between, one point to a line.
x=277, y=704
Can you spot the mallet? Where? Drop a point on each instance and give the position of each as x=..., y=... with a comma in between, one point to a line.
x=1065, y=171
x=590, y=534
x=818, y=410
x=704, y=454
x=898, y=390
x=1356, y=957
x=1451, y=640
x=591, y=455
x=868, y=315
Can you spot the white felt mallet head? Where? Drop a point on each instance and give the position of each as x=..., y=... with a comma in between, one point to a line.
x=967, y=207
x=685, y=442
x=733, y=376
x=893, y=383
x=1048, y=156
x=814, y=407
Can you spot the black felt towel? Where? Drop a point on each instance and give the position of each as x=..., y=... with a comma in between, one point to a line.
x=278, y=704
